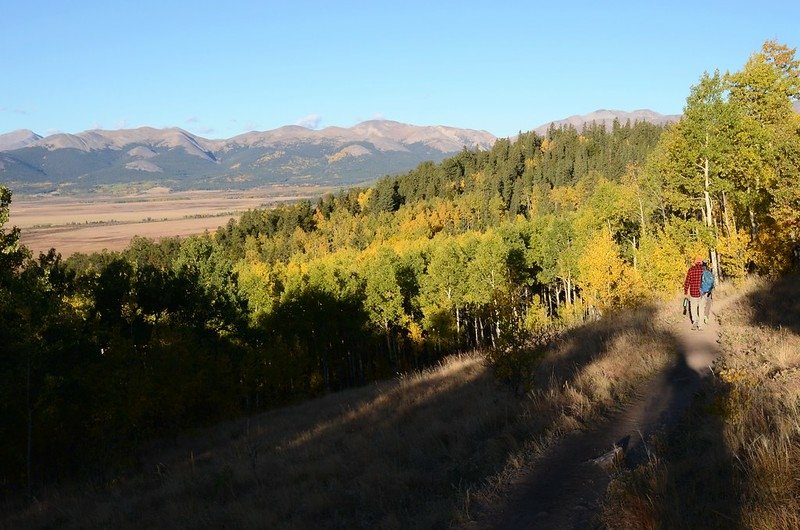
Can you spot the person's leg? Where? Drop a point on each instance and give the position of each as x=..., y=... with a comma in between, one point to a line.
x=694, y=312
x=707, y=299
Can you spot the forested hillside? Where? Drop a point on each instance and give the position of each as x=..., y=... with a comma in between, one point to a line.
x=493, y=249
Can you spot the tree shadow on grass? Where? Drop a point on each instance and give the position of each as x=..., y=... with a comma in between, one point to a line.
x=566, y=484
x=777, y=304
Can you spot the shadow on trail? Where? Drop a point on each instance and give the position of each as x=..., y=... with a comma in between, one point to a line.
x=777, y=304
x=566, y=486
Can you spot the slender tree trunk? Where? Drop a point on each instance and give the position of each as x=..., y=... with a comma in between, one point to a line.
x=641, y=211
x=458, y=327
x=549, y=300
x=497, y=320
x=570, y=300
x=389, y=344
x=725, y=217
x=709, y=215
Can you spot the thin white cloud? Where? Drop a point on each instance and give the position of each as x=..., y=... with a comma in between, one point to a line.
x=373, y=116
x=22, y=112
x=121, y=124
x=311, y=121
x=192, y=119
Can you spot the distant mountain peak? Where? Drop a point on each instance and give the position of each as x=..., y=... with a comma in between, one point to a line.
x=607, y=116
x=17, y=139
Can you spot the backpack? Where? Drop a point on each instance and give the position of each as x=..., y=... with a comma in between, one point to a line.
x=706, y=282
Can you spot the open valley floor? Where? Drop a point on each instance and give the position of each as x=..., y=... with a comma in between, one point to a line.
x=92, y=223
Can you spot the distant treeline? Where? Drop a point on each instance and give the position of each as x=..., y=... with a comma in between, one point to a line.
x=489, y=249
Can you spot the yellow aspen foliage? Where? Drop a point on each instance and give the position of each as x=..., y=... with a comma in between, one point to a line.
x=257, y=283
x=734, y=254
x=416, y=335
x=363, y=198
x=530, y=164
x=437, y=219
x=661, y=264
x=547, y=145
x=414, y=226
x=573, y=314
x=771, y=251
x=404, y=246
x=566, y=197
x=536, y=317
x=319, y=219
x=295, y=278
x=80, y=303
x=606, y=281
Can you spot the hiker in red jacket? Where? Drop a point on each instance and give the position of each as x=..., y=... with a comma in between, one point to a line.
x=691, y=289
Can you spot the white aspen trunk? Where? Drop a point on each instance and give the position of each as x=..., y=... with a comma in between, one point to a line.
x=458, y=326
x=708, y=215
x=496, y=326
x=569, y=289
x=753, y=226
x=641, y=211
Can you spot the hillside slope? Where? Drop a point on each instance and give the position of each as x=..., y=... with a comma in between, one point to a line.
x=455, y=446
x=411, y=452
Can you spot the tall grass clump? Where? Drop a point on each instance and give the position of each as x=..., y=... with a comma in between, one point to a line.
x=733, y=463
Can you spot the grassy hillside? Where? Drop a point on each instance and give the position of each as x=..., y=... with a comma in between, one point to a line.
x=734, y=461
x=421, y=451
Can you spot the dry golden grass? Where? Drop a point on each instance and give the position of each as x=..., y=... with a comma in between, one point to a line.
x=587, y=373
x=96, y=222
x=735, y=461
x=427, y=450
x=114, y=237
x=393, y=455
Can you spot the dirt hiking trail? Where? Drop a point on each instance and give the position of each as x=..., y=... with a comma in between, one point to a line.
x=565, y=486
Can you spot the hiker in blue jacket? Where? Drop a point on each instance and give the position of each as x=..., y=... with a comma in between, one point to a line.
x=707, y=284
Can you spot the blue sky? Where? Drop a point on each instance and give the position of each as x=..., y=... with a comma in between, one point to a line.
x=218, y=69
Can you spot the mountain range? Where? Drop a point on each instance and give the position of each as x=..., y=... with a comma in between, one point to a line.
x=607, y=117
x=137, y=159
